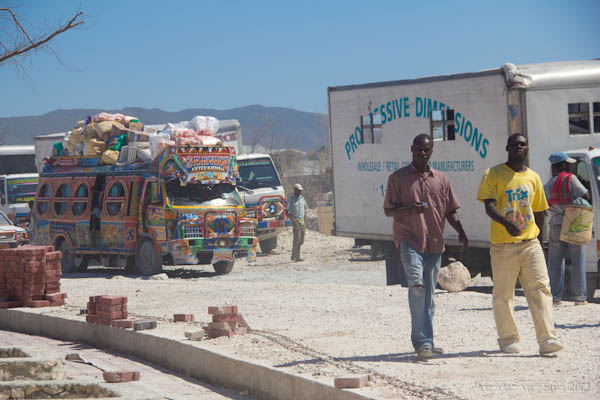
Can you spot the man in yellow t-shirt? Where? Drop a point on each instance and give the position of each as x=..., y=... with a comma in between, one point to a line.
x=515, y=201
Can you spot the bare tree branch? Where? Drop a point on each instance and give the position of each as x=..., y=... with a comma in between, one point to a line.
x=21, y=49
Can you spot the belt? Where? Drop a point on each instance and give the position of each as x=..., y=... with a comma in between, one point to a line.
x=521, y=241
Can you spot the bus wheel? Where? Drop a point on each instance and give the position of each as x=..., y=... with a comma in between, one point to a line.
x=223, y=267
x=147, y=260
x=67, y=261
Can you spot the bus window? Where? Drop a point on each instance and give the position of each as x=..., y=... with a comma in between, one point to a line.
x=81, y=199
x=115, y=199
x=61, y=199
x=43, y=201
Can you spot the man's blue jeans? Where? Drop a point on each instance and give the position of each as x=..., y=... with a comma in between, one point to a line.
x=557, y=251
x=422, y=270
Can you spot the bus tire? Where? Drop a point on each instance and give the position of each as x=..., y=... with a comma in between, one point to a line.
x=268, y=244
x=147, y=260
x=223, y=267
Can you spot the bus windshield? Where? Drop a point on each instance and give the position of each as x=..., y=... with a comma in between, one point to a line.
x=205, y=195
x=258, y=173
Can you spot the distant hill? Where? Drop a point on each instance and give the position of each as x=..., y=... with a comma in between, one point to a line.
x=272, y=127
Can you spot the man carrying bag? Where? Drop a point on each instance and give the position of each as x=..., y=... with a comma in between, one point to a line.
x=570, y=229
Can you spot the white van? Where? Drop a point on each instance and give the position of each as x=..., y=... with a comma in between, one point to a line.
x=264, y=197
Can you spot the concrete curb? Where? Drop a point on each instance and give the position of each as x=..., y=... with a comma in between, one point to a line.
x=261, y=381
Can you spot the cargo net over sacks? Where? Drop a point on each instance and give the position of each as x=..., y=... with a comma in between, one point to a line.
x=30, y=277
x=117, y=139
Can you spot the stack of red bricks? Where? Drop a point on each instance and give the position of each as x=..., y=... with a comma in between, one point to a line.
x=226, y=321
x=30, y=277
x=107, y=310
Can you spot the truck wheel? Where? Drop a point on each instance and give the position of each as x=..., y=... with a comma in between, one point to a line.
x=147, y=260
x=592, y=285
x=223, y=267
x=268, y=244
x=67, y=261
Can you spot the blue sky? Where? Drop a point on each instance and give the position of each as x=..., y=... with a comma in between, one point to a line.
x=222, y=54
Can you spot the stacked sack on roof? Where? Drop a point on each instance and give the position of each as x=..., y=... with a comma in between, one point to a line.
x=199, y=131
x=103, y=137
x=123, y=139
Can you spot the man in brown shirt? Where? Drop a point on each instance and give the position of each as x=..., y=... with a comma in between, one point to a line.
x=420, y=199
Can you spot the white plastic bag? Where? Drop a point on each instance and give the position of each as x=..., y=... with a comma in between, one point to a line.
x=204, y=125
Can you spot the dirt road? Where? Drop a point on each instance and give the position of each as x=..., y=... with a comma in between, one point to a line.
x=332, y=315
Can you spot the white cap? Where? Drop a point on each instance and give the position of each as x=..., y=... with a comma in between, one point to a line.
x=298, y=186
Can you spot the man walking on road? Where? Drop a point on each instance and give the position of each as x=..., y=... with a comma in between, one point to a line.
x=420, y=199
x=296, y=210
x=515, y=201
x=561, y=190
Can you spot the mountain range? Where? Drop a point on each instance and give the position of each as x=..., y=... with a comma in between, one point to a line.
x=270, y=127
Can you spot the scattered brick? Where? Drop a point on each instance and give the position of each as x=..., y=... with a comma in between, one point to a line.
x=197, y=335
x=121, y=376
x=183, y=317
x=123, y=323
x=226, y=321
x=145, y=324
x=37, y=303
x=351, y=382
x=112, y=315
x=56, y=296
x=214, y=333
x=225, y=317
x=91, y=318
x=110, y=308
x=223, y=310
x=111, y=300
x=11, y=304
x=26, y=277
x=53, y=255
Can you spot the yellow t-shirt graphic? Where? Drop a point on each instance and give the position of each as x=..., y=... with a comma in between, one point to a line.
x=518, y=195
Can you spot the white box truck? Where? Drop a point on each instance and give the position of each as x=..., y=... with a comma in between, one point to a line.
x=556, y=105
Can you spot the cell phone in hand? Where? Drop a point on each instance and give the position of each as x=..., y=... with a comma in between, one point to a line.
x=423, y=204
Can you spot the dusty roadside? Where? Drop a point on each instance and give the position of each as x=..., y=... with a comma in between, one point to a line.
x=332, y=315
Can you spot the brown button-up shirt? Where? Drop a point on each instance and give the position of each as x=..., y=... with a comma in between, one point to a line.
x=408, y=186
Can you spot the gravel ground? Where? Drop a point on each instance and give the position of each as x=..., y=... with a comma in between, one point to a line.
x=332, y=315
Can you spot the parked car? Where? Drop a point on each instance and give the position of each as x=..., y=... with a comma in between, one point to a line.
x=11, y=235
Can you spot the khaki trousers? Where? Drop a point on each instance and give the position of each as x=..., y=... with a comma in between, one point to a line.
x=524, y=260
x=298, y=231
